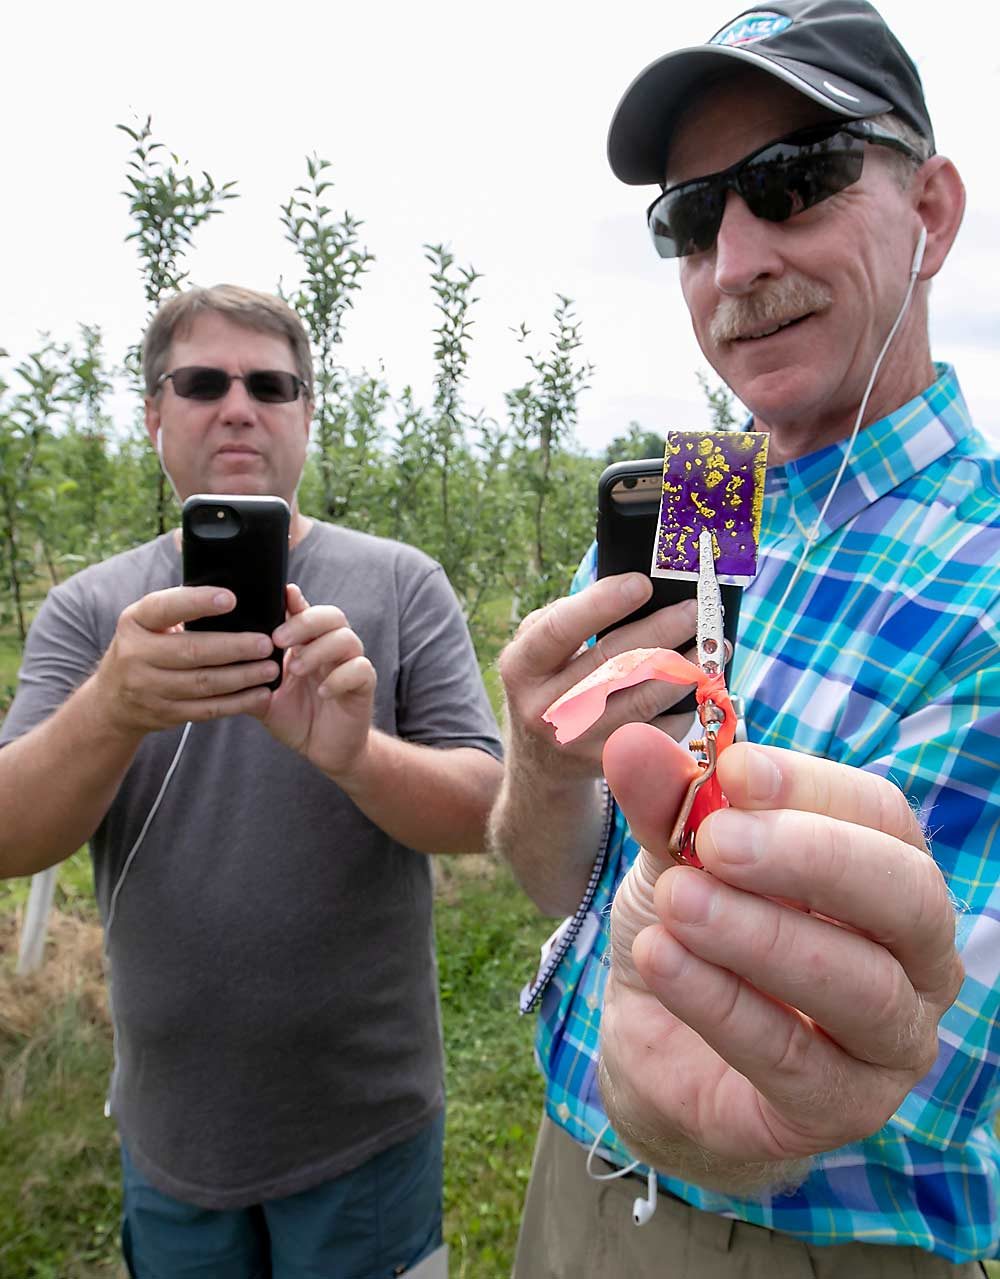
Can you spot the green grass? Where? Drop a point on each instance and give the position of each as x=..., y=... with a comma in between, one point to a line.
x=58, y=1167
x=488, y=938
x=58, y=1155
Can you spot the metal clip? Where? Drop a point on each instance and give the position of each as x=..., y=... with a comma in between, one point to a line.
x=710, y=636
x=681, y=843
x=711, y=657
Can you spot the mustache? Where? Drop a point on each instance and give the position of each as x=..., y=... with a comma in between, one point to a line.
x=773, y=304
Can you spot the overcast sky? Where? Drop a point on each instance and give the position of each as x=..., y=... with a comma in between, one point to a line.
x=482, y=126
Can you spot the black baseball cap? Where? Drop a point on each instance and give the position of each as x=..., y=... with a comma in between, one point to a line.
x=840, y=53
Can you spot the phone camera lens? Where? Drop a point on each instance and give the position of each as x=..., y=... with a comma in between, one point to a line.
x=629, y=482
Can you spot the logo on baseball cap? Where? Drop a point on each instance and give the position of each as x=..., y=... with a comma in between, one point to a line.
x=751, y=27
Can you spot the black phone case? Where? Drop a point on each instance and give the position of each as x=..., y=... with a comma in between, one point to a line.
x=239, y=543
x=626, y=532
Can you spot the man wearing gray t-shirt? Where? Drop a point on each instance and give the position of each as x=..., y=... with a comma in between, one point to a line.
x=258, y=856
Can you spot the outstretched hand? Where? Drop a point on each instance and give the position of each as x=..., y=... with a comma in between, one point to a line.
x=785, y=1002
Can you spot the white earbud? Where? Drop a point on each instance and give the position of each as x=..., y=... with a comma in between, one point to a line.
x=643, y=1209
x=918, y=252
x=163, y=465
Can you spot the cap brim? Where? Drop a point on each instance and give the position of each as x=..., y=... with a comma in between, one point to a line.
x=647, y=114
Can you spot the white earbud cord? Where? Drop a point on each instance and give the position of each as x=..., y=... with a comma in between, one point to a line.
x=812, y=535
x=606, y=1176
x=642, y=1209
x=142, y=833
x=113, y=905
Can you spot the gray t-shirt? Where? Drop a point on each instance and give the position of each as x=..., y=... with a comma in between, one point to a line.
x=273, y=976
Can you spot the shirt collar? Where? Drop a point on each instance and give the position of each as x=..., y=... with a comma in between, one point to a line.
x=885, y=455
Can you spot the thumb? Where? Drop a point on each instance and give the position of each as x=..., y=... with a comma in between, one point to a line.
x=648, y=773
x=295, y=601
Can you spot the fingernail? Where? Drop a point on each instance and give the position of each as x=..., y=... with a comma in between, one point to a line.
x=264, y=646
x=689, y=611
x=634, y=589
x=763, y=776
x=693, y=897
x=224, y=599
x=281, y=636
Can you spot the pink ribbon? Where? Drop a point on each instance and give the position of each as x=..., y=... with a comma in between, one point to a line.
x=583, y=705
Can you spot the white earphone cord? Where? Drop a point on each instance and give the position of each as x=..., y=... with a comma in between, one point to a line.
x=642, y=1209
x=813, y=533
x=113, y=905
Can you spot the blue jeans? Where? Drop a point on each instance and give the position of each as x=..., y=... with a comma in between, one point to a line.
x=372, y=1223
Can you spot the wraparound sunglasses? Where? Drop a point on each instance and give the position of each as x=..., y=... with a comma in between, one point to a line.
x=269, y=386
x=776, y=182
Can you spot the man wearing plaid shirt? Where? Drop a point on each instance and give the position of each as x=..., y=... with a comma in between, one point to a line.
x=788, y=1066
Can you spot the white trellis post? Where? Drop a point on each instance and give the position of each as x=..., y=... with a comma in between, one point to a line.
x=31, y=951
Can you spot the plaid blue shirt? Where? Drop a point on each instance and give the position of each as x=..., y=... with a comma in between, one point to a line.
x=885, y=656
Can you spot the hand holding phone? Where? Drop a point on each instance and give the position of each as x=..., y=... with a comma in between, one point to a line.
x=240, y=543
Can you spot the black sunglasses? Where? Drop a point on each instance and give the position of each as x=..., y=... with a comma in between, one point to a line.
x=269, y=386
x=776, y=182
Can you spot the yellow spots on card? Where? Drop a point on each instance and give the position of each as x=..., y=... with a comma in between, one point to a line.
x=712, y=480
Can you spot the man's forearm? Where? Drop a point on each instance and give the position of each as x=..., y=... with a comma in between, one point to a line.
x=547, y=827
x=431, y=799
x=58, y=781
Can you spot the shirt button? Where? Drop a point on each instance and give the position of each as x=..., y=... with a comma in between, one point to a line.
x=593, y=1003
x=563, y=1110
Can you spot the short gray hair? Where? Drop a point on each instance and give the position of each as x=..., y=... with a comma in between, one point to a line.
x=261, y=311
x=904, y=166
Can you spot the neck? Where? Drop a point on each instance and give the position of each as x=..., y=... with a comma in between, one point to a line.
x=299, y=526
x=906, y=372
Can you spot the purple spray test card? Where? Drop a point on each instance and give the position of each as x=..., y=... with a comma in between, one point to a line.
x=713, y=480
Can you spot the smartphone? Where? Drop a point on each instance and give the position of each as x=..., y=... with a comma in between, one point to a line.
x=239, y=543
x=628, y=514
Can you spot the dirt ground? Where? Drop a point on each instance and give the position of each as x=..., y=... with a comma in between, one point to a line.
x=73, y=968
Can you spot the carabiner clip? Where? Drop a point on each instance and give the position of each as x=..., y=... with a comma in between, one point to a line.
x=681, y=843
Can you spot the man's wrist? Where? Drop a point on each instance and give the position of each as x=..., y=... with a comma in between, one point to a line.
x=106, y=724
x=540, y=764
x=355, y=778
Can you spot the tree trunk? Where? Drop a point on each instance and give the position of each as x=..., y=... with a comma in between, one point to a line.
x=15, y=580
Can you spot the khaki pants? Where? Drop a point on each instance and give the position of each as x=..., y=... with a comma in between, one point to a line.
x=577, y=1228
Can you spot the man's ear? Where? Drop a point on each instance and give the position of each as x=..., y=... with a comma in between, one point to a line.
x=939, y=199
x=151, y=413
